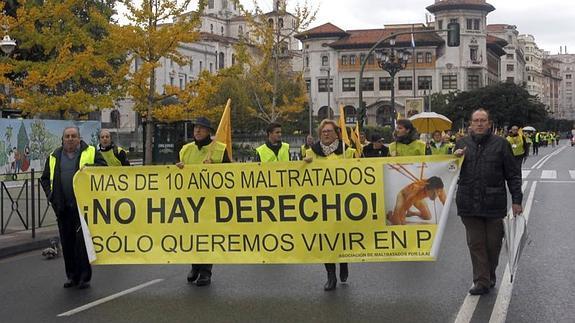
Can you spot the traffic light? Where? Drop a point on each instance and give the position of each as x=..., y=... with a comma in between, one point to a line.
x=453, y=34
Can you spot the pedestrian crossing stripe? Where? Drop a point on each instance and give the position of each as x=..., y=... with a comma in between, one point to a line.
x=549, y=174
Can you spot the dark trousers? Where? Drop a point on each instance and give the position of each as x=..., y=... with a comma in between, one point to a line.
x=484, y=240
x=330, y=268
x=73, y=246
x=203, y=269
x=535, y=148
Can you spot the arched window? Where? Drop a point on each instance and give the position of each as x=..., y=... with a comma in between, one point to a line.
x=324, y=112
x=281, y=22
x=271, y=22
x=240, y=30
x=222, y=61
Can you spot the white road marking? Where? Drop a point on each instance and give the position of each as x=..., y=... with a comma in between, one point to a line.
x=466, y=310
x=545, y=159
x=572, y=174
x=549, y=174
x=525, y=173
x=499, y=314
x=109, y=298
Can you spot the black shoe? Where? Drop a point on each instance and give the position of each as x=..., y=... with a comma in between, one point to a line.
x=343, y=272
x=83, y=285
x=331, y=282
x=478, y=290
x=204, y=280
x=193, y=275
x=70, y=283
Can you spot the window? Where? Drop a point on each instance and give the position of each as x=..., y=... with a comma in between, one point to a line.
x=171, y=81
x=455, y=20
x=385, y=83
x=367, y=84
x=424, y=82
x=322, y=85
x=419, y=57
x=449, y=82
x=240, y=30
x=210, y=4
x=222, y=30
x=191, y=64
x=222, y=61
x=344, y=60
x=568, y=76
x=348, y=85
x=181, y=83
x=510, y=56
x=440, y=24
x=281, y=22
x=568, y=84
x=201, y=67
x=473, y=53
x=308, y=85
x=324, y=60
x=473, y=82
x=370, y=59
x=405, y=83
x=473, y=24
x=306, y=61
x=510, y=67
x=351, y=59
x=211, y=67
x=428, y=57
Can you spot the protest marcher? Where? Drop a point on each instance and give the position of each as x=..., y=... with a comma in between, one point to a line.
x=439, y=146
x=536, y=143
x=114, y=155
x=406, y=141
x=518, y=145
x=57, y=182
x=274, y=149
x=482, y=198
x=306, y=146
x=375, y=148
x=330, y=146
x=203, y=150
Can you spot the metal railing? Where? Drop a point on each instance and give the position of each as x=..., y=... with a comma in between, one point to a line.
x=21, y=200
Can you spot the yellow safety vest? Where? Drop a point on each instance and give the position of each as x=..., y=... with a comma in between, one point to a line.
x=415, y=148
x=87, y=157
x=442, y=150
x=190, y=154
x=516, y=145
x=267, y=155
x=111, y=158
x=349, y=153
x=303, y=150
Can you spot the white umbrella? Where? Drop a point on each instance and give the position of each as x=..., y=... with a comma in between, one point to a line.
x=515, y=240
x=428, y=122
x=529, y=128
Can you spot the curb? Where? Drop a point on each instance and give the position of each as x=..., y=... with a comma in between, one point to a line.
x=26, y=247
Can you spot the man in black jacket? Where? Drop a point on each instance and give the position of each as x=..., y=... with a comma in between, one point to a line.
x=375, y=148
x=482, y=198
x=57, y=181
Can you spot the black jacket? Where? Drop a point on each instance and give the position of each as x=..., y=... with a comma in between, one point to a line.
x=56, y=197
x=487, y=166
x=370, y=151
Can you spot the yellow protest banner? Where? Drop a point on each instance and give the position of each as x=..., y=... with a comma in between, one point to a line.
x=359, y=210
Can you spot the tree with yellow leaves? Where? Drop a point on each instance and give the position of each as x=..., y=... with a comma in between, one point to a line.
x=65, y=64
x=156, y=30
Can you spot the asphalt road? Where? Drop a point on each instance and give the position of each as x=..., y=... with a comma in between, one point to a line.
x=542, y=291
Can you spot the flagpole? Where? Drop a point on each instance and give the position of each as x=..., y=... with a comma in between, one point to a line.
x=414, y=58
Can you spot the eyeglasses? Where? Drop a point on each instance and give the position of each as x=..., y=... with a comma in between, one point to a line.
x=327, y=131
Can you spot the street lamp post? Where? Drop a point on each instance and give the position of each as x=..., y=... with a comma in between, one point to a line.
x=392, y=61
x=328, y=70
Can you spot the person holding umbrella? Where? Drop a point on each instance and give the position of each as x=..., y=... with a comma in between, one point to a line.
x=482, y=197
x=406, y=142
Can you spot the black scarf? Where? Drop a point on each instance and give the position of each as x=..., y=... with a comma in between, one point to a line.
x=204, y=142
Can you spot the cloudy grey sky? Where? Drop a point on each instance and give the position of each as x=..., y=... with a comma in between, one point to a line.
x=552, y=22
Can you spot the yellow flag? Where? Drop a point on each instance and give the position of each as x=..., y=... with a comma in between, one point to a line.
x=224, y=132
x=356, y=141
x=342, y=126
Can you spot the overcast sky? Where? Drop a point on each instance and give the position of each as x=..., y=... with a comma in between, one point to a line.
x=552, y=22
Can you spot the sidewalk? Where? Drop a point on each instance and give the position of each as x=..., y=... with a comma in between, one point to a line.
x=13, y=243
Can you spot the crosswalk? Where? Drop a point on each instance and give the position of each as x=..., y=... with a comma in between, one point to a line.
x=548, y=174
